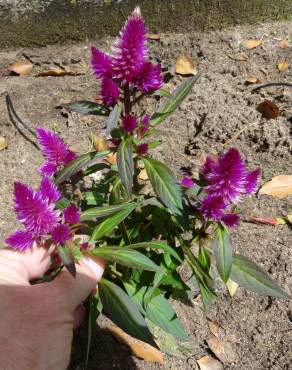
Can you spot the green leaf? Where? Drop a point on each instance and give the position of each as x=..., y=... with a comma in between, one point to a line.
x=164, y=184
x=223, y=252
x=63, y=203
x=126, y=257
x=87, y=107
x=97, y=212
x=123, y=312
x=156, y=245
x=108, y=225
x=125, y=164
x=162, y=92
x=250, y=276
x=67, y=259
x=154, y=144
x=113, y=119
x=170, y=104
x=208, y=297
x=93, y=198
x=78, y=164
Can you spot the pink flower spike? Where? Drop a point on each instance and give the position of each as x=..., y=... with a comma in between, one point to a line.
x=252, y=179
x=48, y=190
x=145, y=124
x=71, y=214
x=20, y=240
x=231, y=219
x=130, y=49
x=48, y=169
x=149, y=77
x=101, y=64
x=109, y=92
x=129, y=123
x=61, y=234
x=142, y=149
x=212, y=207
x=207, y=166
x=187, y=182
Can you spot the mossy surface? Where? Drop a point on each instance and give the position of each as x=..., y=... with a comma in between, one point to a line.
x=58, y=21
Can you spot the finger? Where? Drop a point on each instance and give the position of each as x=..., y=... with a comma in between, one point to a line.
x=78, y=316
x=21, y=267
x=75, y=290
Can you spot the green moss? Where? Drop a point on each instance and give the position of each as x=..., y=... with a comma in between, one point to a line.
x=73, y=20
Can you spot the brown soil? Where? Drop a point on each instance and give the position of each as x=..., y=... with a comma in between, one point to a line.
x=221, y=109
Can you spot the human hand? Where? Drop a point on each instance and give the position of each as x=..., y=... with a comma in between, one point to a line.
x=36, y=321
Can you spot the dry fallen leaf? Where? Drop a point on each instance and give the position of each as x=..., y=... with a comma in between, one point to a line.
x=223, y=349
x=99, y=143
x=252, y=80
x=251, y=44
x=57, y=72
x=279, y=187
x=152, y=36
x=22, y=67
x=283, y=66
x=289, y=219
x=3, y=143
x=216, y=329
x=137, y=347
x=268, y=109
x=185, y=66
x=111, y=158
x=265, y=220
x=284, y=44
x=209, y=363
x=143, y=175
x=232, y=287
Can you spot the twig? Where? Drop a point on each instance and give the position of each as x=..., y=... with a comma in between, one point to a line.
x=283, y=84
x=18, y=123
x=239, y=133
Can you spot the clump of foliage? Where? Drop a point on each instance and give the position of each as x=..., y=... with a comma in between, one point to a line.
x=146, y=230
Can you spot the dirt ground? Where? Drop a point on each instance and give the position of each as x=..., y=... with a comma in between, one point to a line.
x=219, y=113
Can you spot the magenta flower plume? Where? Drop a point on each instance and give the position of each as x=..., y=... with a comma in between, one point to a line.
x=187, y=182
x=231, y=219
x=101, y=64
x=71, y=214
x=109, y=92
x=149, y=77
x=61, y=234
x=207, y=166
x=252, y=179
x=20, y=240
x=142, y=148
x=54, y=150
x=130, y=49
x=129, y=123
x=212, y=207
x=227, y=177
x=48, y=190
x=145, y=125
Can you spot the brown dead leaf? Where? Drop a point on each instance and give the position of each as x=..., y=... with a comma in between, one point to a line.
x=99, y=143
x=152, y=36
x=265, y=220
x=252, y=80
x=279, y=187
x=185, y=66
x=268, y=109
x=137, y=347
x=216, y=329
x=232, y=287
x=289, y=219
x=3, y=143
x=143, y=175
x=209, y=363
x=223, y=349
x=22, y=67
x=284, y=44
x=251, y=44
x=66, y=71
x=283, y=66
x=111, y=158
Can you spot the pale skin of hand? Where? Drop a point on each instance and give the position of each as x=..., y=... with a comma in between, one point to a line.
x=36, y=321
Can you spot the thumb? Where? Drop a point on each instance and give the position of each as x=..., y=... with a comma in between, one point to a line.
x=75, y=290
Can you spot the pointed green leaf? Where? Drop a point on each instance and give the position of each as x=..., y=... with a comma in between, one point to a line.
x=88, y=107
x=113, y=119
x=250, y=276
x=164, y=184
x=78, y=164
x=223, y=252
x=119, y=307
x=170, y=103
x=97, y=212
x=67, y=259
x=126, y=257
x=125, y=164
x=110, y=223
x=156, y=245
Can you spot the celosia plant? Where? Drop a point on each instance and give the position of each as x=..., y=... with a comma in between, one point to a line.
x=147, y=230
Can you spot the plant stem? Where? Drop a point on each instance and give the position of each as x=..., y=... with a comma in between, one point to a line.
x=127, y=99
